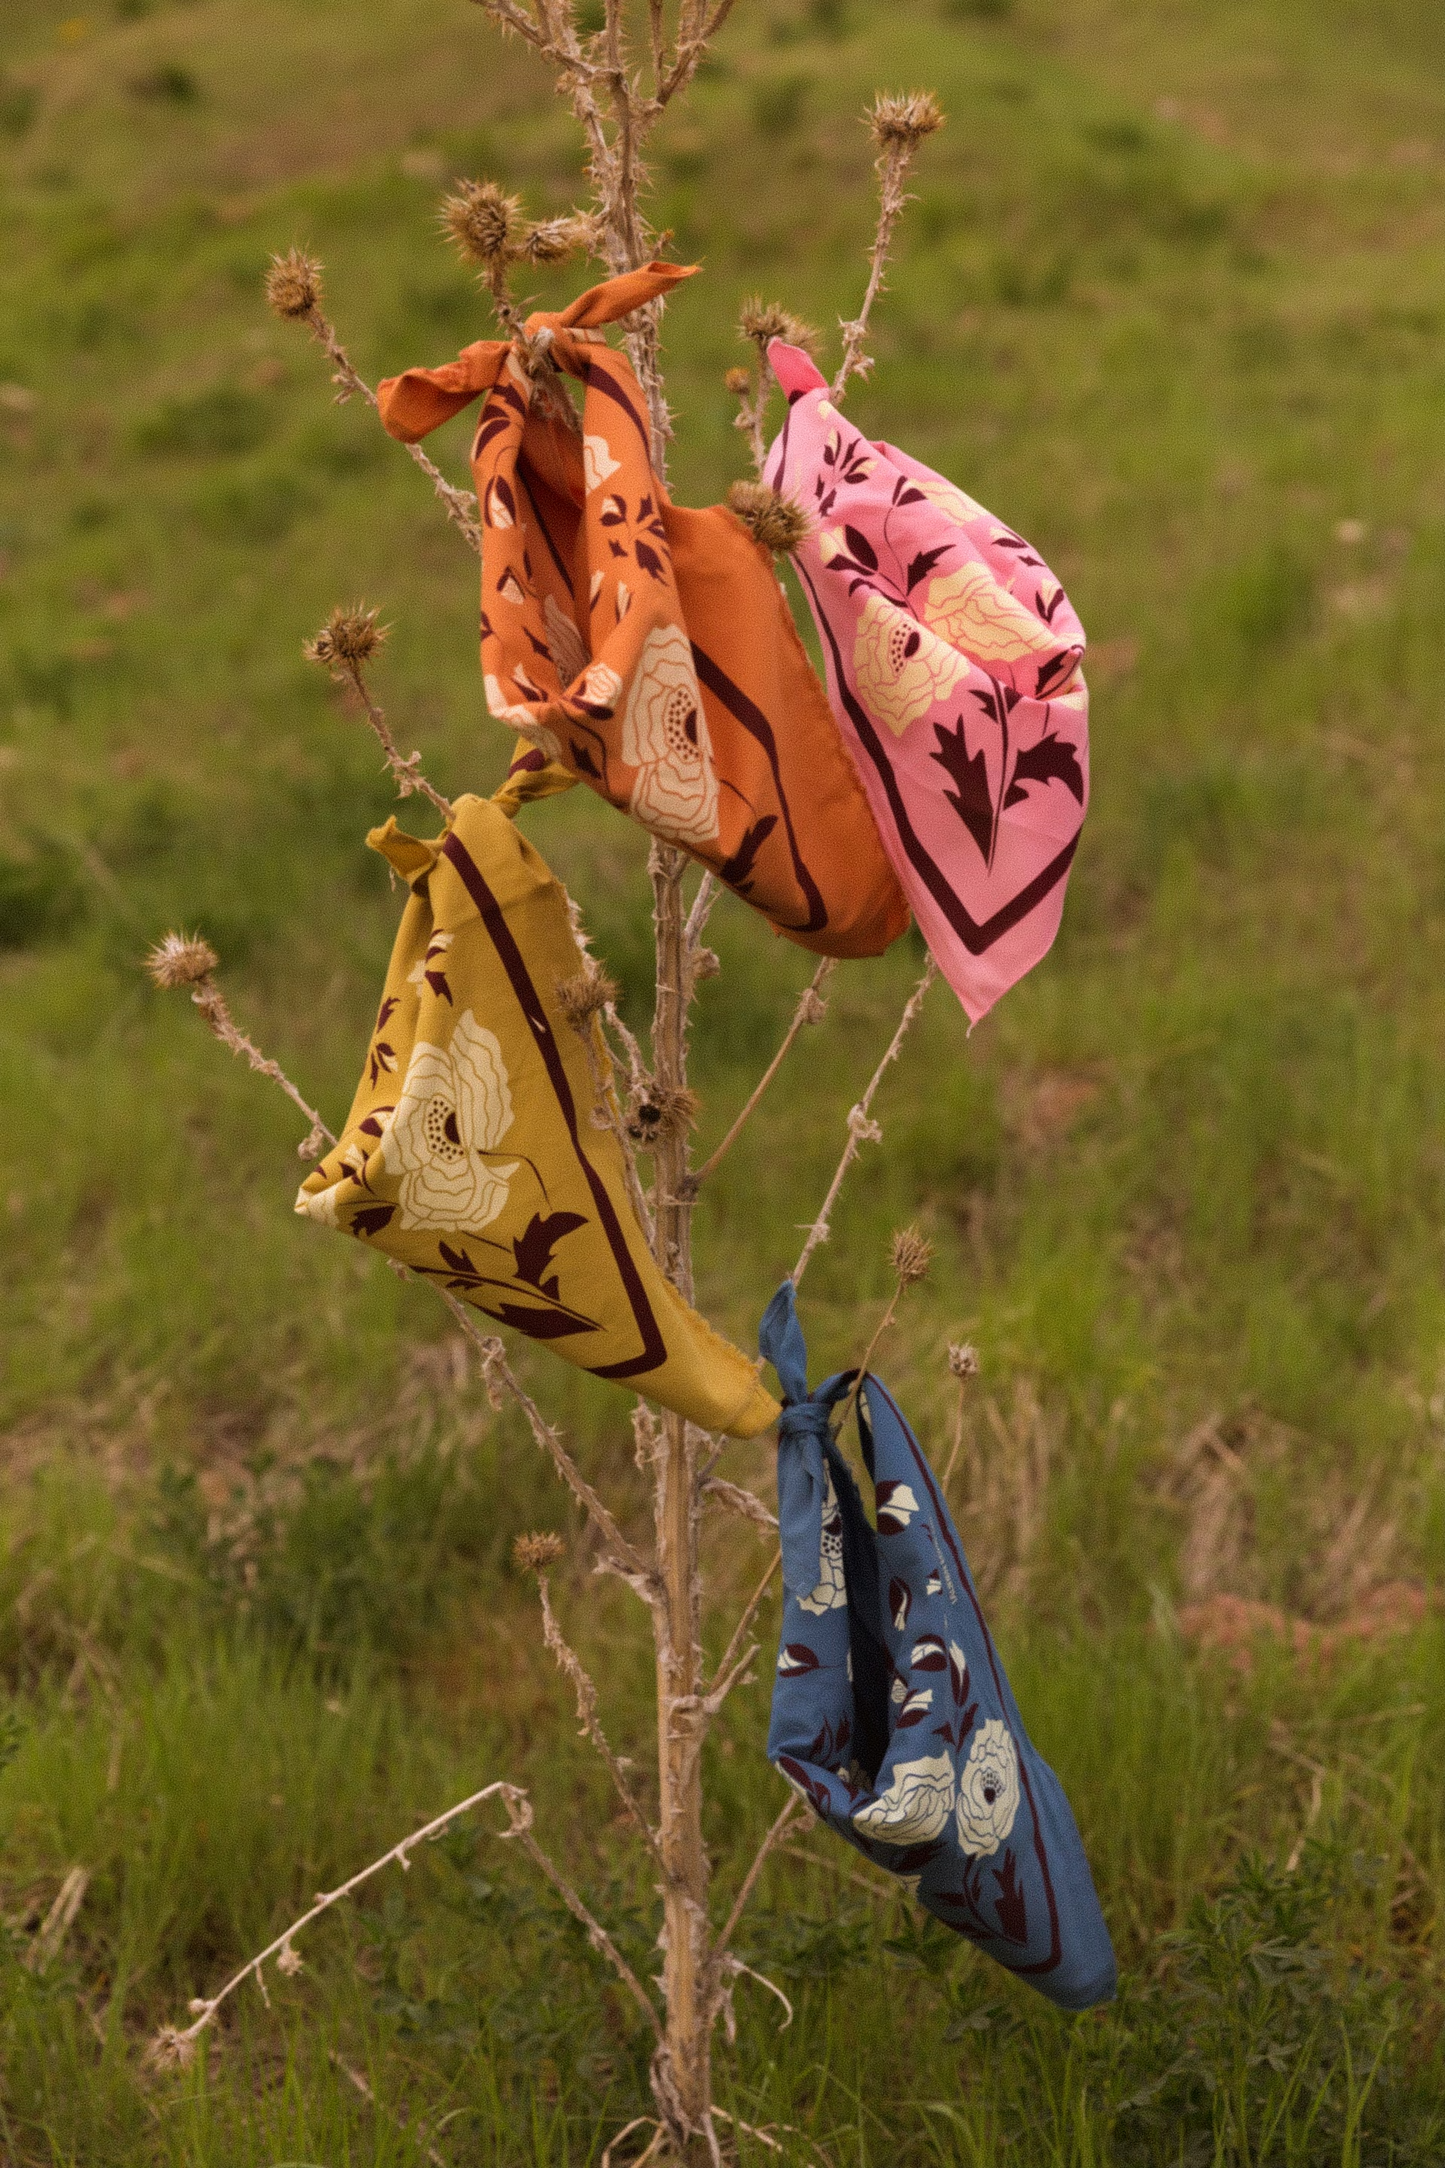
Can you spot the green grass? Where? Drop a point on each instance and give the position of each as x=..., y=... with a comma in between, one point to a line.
x=1170, y=301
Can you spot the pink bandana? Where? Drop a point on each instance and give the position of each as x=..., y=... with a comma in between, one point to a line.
x=953, y=664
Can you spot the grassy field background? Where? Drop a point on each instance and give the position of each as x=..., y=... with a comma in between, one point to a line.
x=1171, y=302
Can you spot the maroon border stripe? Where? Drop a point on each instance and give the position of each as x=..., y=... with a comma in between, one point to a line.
x=965, y=1582
x=654, y=1349
x=757, y=725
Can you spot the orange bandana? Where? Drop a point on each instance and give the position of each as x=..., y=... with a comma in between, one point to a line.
x=649, y=648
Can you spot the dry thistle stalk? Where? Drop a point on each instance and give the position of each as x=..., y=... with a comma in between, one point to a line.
x=760, y=322
x=910, y=1254
x=293, y=292
x=778, y=523
x=346, y=643
x=587, y=995
x=482, y=222
x=180, y=959
x=898, y=125
x=962, y=1365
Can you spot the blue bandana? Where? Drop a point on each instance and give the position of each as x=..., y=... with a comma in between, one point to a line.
x=891, y=1712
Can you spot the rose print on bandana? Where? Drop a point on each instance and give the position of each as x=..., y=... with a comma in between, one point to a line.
x=949, y=498
x=901, y=666
x=915, y=1807
x=970, y=610
x=455, y=1108
x=988, y=1790
x=665, y=738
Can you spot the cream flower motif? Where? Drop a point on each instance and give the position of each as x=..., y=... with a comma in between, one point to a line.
x=971, y=611
x=916, y=1805
x=599, y=689
x=902, y=668
x=664, y=737
x=568, y=649
x=988, y=1790
x=455, y=1107
x=320, y=1204
x=954, y=501
x=438, y=945
x=830, y=1593
x=598, y=463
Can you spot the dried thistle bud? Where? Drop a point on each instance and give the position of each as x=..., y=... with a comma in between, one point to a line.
x=778, y=522
x=181, y=959
x=170, y=2050
x=293, y=284
x=481, y=221
x=963, y=1360
x=739, y=382
x=553, y=240
x=535, y=1553
x=901, y=121
x=706, y=964
x=289, y=1960
x=911, y=1254
x=348, y=639
x=583, y=997
x=761, y=320
x=664, y=1112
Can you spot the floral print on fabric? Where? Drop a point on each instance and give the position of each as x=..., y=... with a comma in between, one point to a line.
x=953, y=661
x=598, y=464
x=988, y=1791
x=902, y=667
x=665, y=738
x=830, y=1593
x=916, y=1805
x=455, y=1107
x=891, y=1713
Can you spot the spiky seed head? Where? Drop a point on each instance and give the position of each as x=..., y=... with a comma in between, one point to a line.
x=182, y=959
x=911, y=1254
x=553, y=240
x=583, y=997
x=797, y=332
x=778, y=522
x=535, y=1553
x=963, y=1359
x=289, y=1960
x=481, y=220
x=900, y=121
x=170, y=2050
x=761, y=320
x=348, y=639
x=739, y=382
x=666, y=1111
x=293, y=284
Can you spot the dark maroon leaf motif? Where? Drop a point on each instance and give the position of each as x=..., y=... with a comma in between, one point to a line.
x=916, y=1708
x=896, y=1507
x=488, y=430
x=861, y=548
x=813, y=1789
x=371, y=1126
x=541, y=1324
x=533, y=1249
x=582, y=760
x=649, y=560
x=437, y=981
x=372, y=1219
x=971, y=799
x=929, y=1653
x=914, y=1857
x=1048, y=610
x=618, y=549
x=499, y=493
x=797, y=1656
x=382, y=1058
x=1052, y=760
x=900, y=1602
x=924, y=563
x=539, y=647
x=1055, y=672
x=737, y=871
x=389, y=1004
x=1013, y=1917
x=613, y=512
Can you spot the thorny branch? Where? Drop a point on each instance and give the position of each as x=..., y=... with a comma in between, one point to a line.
x=345, y=644
x=791, y=1807
x=586, y=1691
x=597, y=1934
x=293, y=289
x=898, y=126
x=172, y=2049
x=811, y=1009
x=861, y=1126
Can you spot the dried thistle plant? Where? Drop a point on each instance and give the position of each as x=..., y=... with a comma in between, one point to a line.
x=898, y=124
x=667, y=1111
x=184, y=959
x=588, y=994
x=293, y=286
x=347, y=642
x=759, y=323
x=910, y=1254
x=482, y=222
x=779, y=523
x=962, y=1365
x=181, y=959
x=535, y=1553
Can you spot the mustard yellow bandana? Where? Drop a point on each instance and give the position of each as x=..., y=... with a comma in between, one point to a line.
x=470, y=1153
